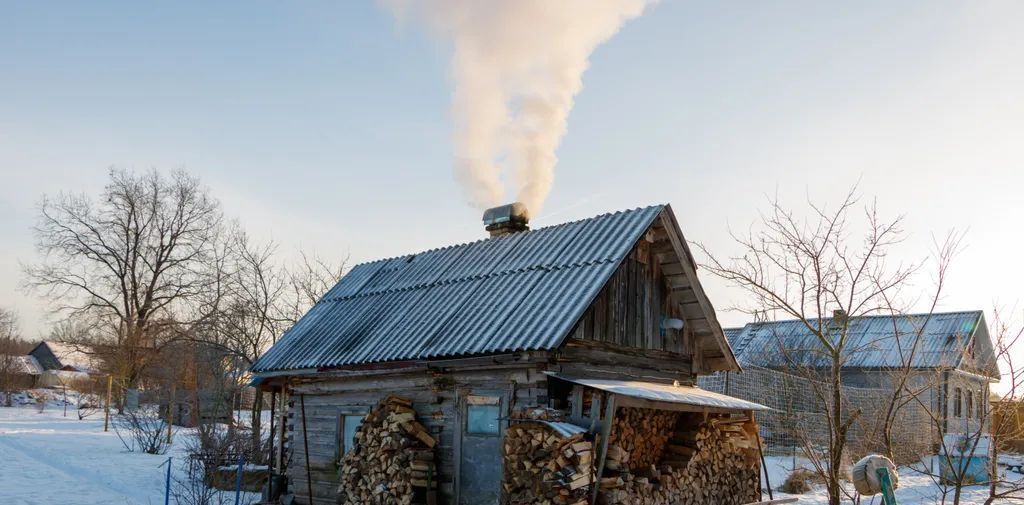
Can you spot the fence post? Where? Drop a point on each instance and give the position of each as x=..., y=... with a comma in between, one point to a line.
x=167, y=482
x=238, y=478
x=170, y=412
x=106, y=411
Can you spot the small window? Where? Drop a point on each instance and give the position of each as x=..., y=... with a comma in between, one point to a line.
x=349, y=424
x=958, y=403
x=981, y=404
x=970, y=404
x=482, y=419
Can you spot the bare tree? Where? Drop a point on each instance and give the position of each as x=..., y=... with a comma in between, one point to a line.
x=256, y=300
x=131, y=261
x=1005, y=422
x=822, y=273
x=907, y=383
x=10, y=359
x=310, y=280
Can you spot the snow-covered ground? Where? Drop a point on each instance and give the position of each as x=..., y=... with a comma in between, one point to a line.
x=915, y=488
x=47, y=459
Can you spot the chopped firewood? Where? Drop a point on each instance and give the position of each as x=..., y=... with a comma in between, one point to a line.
x=392, y=457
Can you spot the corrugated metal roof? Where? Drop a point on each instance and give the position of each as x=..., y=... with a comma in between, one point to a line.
x=522, y=291
x=685, y=395
x=564, y=429
x=872, y=342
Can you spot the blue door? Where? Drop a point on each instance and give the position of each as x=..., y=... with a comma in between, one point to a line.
x=480, y=448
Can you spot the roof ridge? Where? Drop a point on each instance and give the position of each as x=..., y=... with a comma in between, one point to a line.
x=509, y=235
x=869, y=316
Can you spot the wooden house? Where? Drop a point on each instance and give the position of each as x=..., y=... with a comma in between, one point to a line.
x=948, y=359
x=63, y=363
x=592, y=319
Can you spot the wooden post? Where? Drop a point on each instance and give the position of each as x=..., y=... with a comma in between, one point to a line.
x=305, y=443
x=170, y=411
x=106, y=411
x=606, y=432
x=270, y=445
x=888, y=497
x=760, y=453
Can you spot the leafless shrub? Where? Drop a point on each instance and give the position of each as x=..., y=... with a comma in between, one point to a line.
x=142, y=429
x=88, y=404
x=192, y=490
x=801, y=481
x=41, y=399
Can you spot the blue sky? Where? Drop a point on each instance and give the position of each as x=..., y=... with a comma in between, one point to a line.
x=324, y=126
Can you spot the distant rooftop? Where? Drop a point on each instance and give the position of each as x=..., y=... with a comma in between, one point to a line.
x=879, y=341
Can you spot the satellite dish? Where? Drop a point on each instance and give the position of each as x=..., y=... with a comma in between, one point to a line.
x=865, y=474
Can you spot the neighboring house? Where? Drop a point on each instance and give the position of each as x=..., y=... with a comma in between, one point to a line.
x=19, y=372
x=62, y=362
x=603, y=308
x=953, y=360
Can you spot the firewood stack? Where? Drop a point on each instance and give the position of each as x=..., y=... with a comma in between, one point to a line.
x=713, y=462
x=393, y=457
x=544, y=468
x=642, y=433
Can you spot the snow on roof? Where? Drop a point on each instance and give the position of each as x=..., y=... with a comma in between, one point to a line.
x=685, y=395
x=25, y=365
x=73, y=356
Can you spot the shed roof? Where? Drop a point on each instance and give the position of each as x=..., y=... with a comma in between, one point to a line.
x=53, y=355
x=27, y=365
x=521, y=291
x=668, y=393
x=948, y=340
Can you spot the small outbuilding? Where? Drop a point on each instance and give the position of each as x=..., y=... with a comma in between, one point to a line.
x=63, y=363
x=555, y=364
x=19, y=372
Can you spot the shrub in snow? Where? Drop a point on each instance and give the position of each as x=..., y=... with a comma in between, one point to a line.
x=41, y=398
x=88, y=404
x=194, y=491
x=142, y=429
x=800, y=481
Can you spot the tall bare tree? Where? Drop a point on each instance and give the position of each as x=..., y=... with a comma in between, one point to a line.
x=9, y=353
x=821, y=270
x=131, y=261
x=310, y=279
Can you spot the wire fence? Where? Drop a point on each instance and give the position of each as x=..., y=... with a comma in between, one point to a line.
x=799, y=420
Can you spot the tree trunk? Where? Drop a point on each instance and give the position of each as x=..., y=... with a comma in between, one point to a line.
x=257, y=412
x=838, y=435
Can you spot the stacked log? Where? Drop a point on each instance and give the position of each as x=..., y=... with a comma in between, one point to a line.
x=544, y=468
x=392, y=458
x=713, y=462
x=643, y=434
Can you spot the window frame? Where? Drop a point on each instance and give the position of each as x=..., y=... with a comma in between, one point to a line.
x=490, y=401
x=340, y=444
x=970, y=404
x=958, y=398
x=982, y=400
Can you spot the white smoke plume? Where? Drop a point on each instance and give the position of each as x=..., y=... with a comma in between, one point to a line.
x=516, y=67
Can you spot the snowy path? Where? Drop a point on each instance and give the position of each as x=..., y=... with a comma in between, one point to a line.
x=47, y=459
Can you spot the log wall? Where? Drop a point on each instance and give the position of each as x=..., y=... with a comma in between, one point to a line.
x=434, y=394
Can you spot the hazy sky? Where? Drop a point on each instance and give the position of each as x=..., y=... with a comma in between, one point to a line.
x=325, y=127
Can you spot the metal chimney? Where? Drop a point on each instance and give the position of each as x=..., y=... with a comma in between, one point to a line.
x=510, y=218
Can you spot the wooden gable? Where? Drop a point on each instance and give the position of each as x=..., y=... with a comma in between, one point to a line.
x=656, y=282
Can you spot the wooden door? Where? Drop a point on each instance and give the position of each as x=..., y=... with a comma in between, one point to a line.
x=480, y=462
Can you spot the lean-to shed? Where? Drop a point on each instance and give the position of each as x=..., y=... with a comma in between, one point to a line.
x=565, y=317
